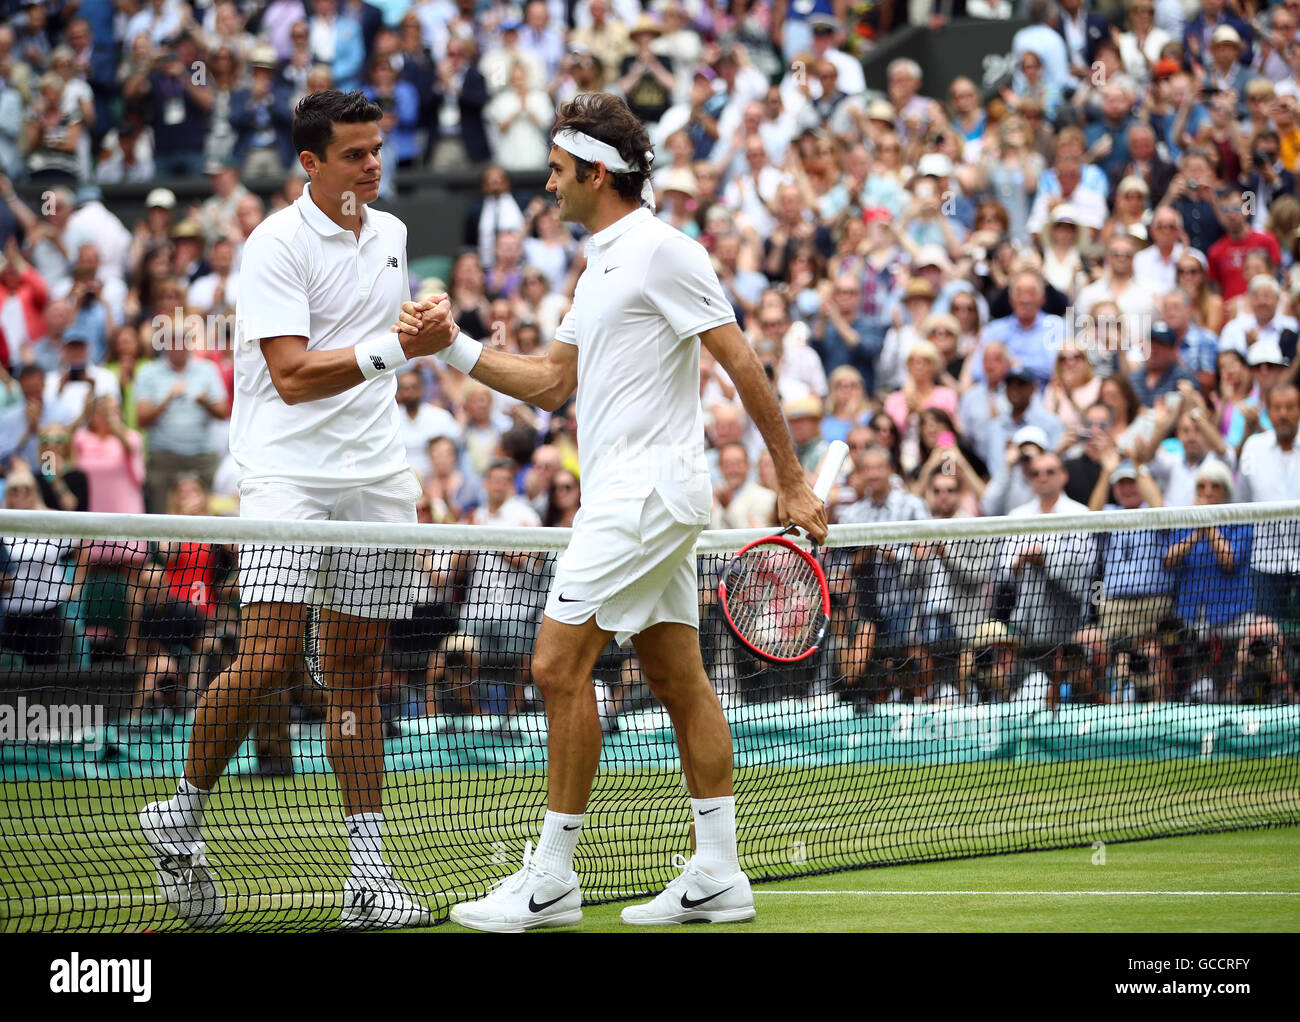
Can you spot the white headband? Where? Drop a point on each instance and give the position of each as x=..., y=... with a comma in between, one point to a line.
x=593, y=150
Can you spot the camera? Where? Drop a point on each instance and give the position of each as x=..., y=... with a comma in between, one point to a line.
x=76, y=373
x=1258, y=159
x=1084, y=435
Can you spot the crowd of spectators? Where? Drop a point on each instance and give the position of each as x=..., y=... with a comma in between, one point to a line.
x=1075, y=290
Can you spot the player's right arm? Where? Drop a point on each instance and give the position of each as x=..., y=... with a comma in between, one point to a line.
x=301, y=375
x=546, y=381
x=274, y=312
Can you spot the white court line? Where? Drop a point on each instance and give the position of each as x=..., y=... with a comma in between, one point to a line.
x=1049, y=894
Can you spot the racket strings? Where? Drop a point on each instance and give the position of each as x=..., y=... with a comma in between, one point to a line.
x=774, y=599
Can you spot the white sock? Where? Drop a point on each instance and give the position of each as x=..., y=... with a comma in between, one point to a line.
x=715, y=836
x=560, y=833
x=188, y=804
x=366, y=843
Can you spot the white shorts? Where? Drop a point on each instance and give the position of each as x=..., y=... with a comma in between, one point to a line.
x=358, y=581
x=629, y=563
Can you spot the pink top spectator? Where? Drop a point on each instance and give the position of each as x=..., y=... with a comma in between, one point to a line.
x=943, y=398
x=116, y=480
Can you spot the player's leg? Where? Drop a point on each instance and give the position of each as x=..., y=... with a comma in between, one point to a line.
x=545, y=892
x=712, y=887
x=351, y=650
x=173, y=828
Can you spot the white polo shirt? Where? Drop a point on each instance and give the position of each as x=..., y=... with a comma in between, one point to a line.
x=304, y=275
x=645, y=296
x=1269, y=473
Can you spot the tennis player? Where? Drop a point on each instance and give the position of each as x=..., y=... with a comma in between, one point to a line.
x=631, y=346
x=316, y=432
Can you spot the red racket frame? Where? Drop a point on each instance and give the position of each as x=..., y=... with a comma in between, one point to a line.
x=809, y=558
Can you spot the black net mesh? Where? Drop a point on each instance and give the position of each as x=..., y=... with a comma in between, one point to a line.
x=973, y=695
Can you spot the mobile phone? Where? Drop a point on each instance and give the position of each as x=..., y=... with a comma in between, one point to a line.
x=76, y=372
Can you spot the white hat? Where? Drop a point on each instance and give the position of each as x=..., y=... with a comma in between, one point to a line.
x=1266, y=352
x=1225, y=34
x=934, y=165
x=1065, y=214
x=1031, y=435
x=163, y=197
x=931, y=255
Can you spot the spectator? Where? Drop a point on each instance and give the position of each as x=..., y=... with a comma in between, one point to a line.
x=37, y=589
x=645, y=78
x=1085, y=448
x=1051, y=574
x=22, y=421
x=177, y=396
x=261, y=117
x=1185, y=414
x=448, y=486
x=462, y=137
x=54, y=134
x=519, y=120
x=1227, y=255
x=179, y=110
x=1211, y=566
x=1262, y=323
x=422, y=420
x=23, y=296
x=740, y=502
x=562, y=501
x=875, y=575
x=604, y=37
x=1030, y=334
x=1162, y=371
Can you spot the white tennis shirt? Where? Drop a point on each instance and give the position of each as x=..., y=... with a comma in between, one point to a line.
x=302, y=274
x=645, y=296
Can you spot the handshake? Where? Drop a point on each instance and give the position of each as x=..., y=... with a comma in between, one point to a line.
x=426, y=328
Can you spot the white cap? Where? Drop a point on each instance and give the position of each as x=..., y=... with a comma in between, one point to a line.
x=1065, y=214
x=163, y=197
x=1266, y=352
x=934, y=165
x=1031, y=435
x=932, y=255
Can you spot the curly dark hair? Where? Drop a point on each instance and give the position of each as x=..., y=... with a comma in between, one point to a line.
x=608, y=119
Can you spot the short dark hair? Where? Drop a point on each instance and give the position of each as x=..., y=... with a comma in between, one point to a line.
x=608, y=119
x=315, y=116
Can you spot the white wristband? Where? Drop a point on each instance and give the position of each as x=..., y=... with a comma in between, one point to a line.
x=463, y=354
x=381, y=355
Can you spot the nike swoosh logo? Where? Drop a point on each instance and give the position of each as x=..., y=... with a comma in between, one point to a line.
x=577, y=827
x=705, y=812
x=534, y=907
x=568, y=599
x=688, y=902
x=608, y=268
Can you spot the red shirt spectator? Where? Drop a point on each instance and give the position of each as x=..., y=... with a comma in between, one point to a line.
x=1227, y=255
x=22, y=322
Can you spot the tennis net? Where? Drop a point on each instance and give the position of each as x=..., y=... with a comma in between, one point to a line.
x=986, y=686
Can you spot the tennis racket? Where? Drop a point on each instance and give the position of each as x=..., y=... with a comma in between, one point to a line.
x=311, y=648
x=774, y=593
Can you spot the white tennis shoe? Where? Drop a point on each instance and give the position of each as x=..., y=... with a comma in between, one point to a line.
x=696, y=897
x=529, y=899
x=180, y=859
x=380, y=903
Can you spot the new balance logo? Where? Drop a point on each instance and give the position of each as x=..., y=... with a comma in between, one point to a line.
x=392, y=261
x=378, y=363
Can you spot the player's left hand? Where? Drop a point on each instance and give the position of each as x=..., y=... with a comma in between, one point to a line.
x=429, y=324
x=798, y=505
